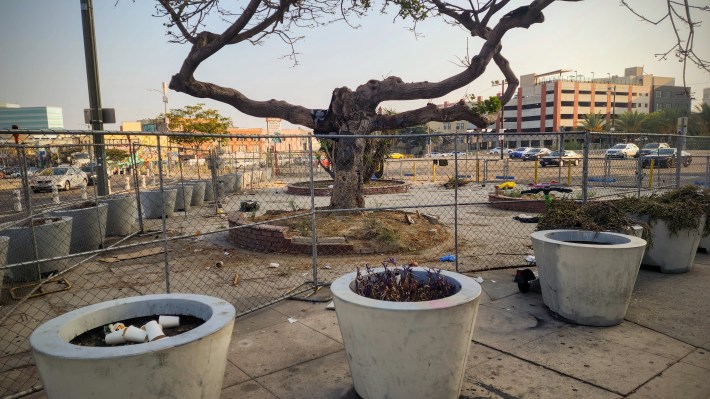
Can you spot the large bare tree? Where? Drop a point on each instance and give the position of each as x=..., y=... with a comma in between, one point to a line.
x=350, y=112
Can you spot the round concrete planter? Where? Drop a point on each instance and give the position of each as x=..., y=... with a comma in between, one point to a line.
x=239, y=185
x=4, y=242
x=88, y=231
x=198, y=192
x=52, y=236
x=183, y=198
x=705, y=244
x=152, y=203
x=122, y=215
x=407, y=349
x=673, y=253
x=229, y=182
x=209, y=190
x=587, y=277
x=188, y=365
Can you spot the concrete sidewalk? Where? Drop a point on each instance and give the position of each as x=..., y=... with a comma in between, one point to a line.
x=661, y=350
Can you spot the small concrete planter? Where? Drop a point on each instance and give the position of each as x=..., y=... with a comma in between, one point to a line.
x=198, y=192
x=152, y=203
x=88, y=226
x=52, y=237
x=673, y=253
x=704, y=244
x=209, y=190
x=407, y=349
x=122, y=215
x=239, y=185
x=229, y=182
x=587, y=277
x=183, y=198
x=188, y=365
x=4, y=243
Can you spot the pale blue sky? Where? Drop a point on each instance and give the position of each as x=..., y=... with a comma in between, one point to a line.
x=42, y=56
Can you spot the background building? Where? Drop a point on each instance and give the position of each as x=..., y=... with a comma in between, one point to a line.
x=33, y=118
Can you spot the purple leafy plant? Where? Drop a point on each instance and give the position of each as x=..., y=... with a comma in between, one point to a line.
x=401, y=284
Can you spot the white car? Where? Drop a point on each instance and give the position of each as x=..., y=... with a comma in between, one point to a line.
x=63, y=178
x=496, y=151
x=622, y=150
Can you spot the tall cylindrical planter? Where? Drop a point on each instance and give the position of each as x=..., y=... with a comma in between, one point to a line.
x=187, y=365
x=52, y=238
x=4, y=243
x=198, y=192
x=122, y=215
x=407, y=349
x=209, y=190
x=183, y=198
x=88, y=226
x=239, y=184
x=152, y=203
x=705, y=244
x=587, y=277
x=673, y=252
x=229, y=182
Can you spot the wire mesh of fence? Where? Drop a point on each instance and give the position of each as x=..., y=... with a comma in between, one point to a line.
x=254, y=220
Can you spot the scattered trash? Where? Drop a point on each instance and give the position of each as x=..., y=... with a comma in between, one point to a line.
x=523, y=218
x=133, y=255
x=198, y=250
x=154, y=331
x=273, y=265
x=199, y=238
x=508, y=184
x=413, y=263
x=327, y=267
x=330, y=305
x=479, y=280
x=134, y=334
x=493, y=281
x=169, y=321
x=292, y=320
x=530, y=259
x=236, y=280
x=116, y=327
x=448, y=258
x=115, y=338
x=226, y=253
x=248, y=206
x=219, y=264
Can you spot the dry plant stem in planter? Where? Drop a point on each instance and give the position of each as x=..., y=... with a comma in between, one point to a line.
x=415, y=349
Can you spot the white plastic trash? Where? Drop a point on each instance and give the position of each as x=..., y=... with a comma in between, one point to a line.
x=115, y=338
x=153, y=330
x=169, y=321
x=134, y=334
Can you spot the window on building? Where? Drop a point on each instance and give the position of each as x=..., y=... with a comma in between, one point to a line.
x=585, y=92
x=600, y=103
x=659, y=94
x=547, y=143
x=600, y=93
x=447, y=126
x=567, y=116
x=584, y=103
x=567, y=103
x=525, y=143
x=567, y=91
x=459, y=125
x=534, y=143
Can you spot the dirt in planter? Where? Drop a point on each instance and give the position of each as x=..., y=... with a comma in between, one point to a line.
x=41, y=221
x=82, y=205
x=96, y=337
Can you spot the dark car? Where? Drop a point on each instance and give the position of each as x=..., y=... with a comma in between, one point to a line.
x=666, y=158
x=535, y=153
x=91, y=171
x=561, y=158
x=650, y=148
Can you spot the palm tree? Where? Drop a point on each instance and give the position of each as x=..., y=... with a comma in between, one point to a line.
x=631, y=122
x=663, y=122
x=594, y=122
x=700, y=120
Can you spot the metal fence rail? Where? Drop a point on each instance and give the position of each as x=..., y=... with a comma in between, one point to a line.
x=254, y=226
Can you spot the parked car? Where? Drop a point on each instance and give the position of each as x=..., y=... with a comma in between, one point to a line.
x=518, y=152
x=621, y=150
x=496, y=151
x=437, y=155
x=561, y=158
x=457, y=154
x=650, y=148
x=535, y=153
x=12, y=173
x=395, y=155
x=666, y=158
x=91, y=171
x=61, y=177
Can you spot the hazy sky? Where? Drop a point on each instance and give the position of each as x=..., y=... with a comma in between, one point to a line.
x=42, y=56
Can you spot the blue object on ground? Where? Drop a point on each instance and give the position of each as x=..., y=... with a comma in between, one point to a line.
x=465, y=176
x=505, y=177
x=448, y=258
x=699, y=183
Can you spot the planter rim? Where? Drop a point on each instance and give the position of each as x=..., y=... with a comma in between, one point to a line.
x=46, y=338
x=470, y=290
x=165, y=190
x=74, y=210
x=51, y=222
x=632, y=241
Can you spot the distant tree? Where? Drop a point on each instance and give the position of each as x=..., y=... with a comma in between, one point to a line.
x=700, y=120
x=116, y=155
x=631, y=122
x=594, y=122
x=664, y=122
x=196, y=119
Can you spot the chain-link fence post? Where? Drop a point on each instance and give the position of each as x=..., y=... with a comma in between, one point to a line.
x=585, y=166
x=132, y=148
x=163, y=217
x=682, y=128
x=456, y=203
x=314, y=239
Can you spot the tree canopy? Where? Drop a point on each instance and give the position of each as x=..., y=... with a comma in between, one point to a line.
x=196, y=119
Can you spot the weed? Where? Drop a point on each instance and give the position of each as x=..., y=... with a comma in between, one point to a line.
x=402, y=284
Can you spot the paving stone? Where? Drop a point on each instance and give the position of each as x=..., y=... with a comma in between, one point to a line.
x=233, y=375
x=313, y=316
x=509, y=377
x=278, y=347
x=699, y=358
x=505, y=329
x=247, y=390
x=330, y=374
x=498, y=283
x=256, y=321
x=682, y=380
x=598, y=361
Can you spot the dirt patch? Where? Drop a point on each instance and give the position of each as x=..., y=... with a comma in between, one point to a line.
x=96, y=336
x=329, y=183
x=391, y=231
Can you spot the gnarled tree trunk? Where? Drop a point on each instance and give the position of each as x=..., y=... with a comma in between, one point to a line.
x=347, y=186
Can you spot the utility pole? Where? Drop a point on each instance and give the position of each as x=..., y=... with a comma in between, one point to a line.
x=92, y=78
x=501, y=131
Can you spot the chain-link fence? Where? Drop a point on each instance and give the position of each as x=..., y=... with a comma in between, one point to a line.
x=256, y=219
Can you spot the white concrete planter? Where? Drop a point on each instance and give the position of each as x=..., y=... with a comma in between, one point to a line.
x=673, y=253
x=52, y=236
x=229, y=182
x=239, y=185
x=188, y=365
x=407, y=349
x=152, y=203
x=4, y=243
x=183, y=198
x=198, y=192
x=209, y=190
x=122, y=215
x=587, y=277
x=705, y=244
x=88, y=231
